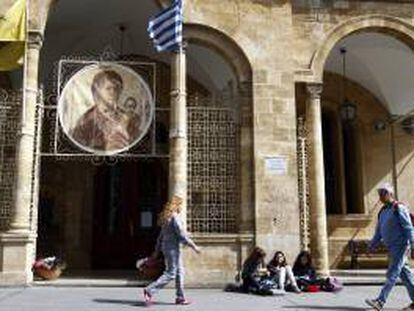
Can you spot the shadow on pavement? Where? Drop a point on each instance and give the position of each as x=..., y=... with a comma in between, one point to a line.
x=338, y=308
x=134, y=303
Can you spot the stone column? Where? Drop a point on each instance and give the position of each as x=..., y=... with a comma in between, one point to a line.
x=25, y=159
x=318, y=222
x=178, y=130
x=17, y=244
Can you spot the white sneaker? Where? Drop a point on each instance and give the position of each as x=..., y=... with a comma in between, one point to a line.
x=278, y=292
x=375, y=304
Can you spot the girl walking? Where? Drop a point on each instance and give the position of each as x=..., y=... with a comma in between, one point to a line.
x=168, y=242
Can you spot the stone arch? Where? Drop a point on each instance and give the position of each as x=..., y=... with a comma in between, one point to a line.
x=377, y=23
x=226, y=47
x=223, y=45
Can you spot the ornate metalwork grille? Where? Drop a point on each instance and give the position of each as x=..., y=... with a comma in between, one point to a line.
x=214, y=187
x=10, y=123
x=303, y=183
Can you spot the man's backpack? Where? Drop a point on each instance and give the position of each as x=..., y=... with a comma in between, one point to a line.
x=395, y=207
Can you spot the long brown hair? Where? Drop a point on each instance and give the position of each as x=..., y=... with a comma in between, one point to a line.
x=298, y=263
x=274, y=262
x=257, y=254
x=171, y=207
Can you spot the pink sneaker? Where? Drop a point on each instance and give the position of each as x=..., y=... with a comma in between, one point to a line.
x=147, y=298
x=182, y=301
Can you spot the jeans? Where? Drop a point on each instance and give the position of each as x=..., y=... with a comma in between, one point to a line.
x=174, y=270
x=398, y=267
x=285, y=276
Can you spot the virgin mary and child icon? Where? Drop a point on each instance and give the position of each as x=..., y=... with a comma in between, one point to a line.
x=105, y=109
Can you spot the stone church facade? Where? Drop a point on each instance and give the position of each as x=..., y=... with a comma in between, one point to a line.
x=268, y=159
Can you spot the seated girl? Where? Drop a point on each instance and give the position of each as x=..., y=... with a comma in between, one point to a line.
x=306, y=277
x=304, y=271
x=282, y=273
x=250, y=273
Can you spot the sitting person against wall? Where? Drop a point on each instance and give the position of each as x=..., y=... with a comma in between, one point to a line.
x=281, y=273
x=304, y=271
x=307, y=279
x=250, y=272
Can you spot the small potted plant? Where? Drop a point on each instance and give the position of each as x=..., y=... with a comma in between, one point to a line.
x=49, y=268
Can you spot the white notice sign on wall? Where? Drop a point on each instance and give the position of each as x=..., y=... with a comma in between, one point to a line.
x=146, y=219
x=276, y=165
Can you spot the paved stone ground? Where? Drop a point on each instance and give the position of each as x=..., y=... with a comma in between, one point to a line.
x=91, y=299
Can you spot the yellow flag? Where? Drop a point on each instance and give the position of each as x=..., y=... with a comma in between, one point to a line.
x=12, y=33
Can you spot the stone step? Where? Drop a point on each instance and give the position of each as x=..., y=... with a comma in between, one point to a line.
x=125, y=279
x=360, y=277
x=359, y=273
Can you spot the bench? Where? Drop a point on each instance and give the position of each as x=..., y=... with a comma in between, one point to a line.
x=359, y=248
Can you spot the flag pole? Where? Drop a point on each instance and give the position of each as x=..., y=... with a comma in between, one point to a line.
x=178, y=129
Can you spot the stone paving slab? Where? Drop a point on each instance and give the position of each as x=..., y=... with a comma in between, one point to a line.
x=91, y=299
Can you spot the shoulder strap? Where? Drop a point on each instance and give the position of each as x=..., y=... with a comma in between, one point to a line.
x=381, y=210
x=395, y=207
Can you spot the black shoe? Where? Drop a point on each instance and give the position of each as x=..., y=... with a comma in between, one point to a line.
x=375, y=304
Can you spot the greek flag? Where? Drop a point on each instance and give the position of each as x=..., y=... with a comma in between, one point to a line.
x=166, y=28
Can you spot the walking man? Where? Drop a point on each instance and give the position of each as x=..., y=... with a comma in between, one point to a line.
x=395, y=229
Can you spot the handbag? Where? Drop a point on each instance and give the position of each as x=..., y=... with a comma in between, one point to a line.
x=150, y=268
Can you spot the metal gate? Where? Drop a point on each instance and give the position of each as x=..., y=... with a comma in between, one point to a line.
x=11, y=103
x=10, y=123
x=213, y=166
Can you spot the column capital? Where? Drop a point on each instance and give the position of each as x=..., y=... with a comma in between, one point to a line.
x=314, y=90
x=35, y=39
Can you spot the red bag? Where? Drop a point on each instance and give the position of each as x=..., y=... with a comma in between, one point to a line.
x=313, y=288
x=150, y=268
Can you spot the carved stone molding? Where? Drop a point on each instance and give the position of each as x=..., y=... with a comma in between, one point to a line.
x=35, y=39
x=314, y=90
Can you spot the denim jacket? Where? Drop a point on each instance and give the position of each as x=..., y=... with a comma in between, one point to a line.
x=172, y=234
x=394, y=227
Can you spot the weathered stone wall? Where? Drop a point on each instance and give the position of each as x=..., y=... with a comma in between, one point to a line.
x=263, y=30
x=311, y=27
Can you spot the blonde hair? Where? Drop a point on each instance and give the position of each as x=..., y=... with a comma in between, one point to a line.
x=172, y=206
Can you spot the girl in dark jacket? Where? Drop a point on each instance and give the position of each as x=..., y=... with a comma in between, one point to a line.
x=250, y=272
x=304, y=271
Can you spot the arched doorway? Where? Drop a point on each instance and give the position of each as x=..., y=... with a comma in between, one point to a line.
x=378, y=90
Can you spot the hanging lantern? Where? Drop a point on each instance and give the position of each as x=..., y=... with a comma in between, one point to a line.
x=347, y=109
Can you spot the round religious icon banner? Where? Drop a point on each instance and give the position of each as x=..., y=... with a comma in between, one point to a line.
x=106, y=108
